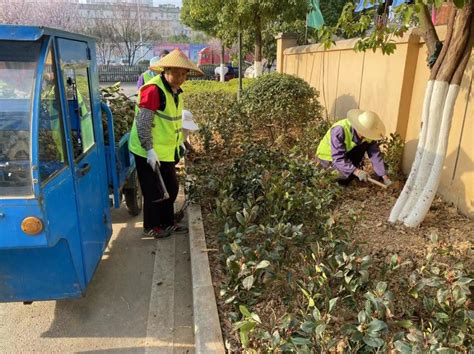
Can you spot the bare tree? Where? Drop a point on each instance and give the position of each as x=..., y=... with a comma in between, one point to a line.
x=40, y=13
x=132, y=32
x=106, y=45
x=120, y=29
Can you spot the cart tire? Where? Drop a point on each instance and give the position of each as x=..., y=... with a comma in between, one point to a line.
x=133, y=196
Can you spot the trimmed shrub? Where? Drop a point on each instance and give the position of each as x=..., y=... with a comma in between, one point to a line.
x=280, y=105
x=192, y=87
x=213, y=105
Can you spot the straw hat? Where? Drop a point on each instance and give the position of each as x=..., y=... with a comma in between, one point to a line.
x=176, y=59
x=188, y=122
x=367, y=123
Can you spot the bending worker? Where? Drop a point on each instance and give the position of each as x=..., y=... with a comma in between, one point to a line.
x=345, y=144
x=155, y=141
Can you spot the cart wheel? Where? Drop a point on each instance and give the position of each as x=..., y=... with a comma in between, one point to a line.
x=133, y=196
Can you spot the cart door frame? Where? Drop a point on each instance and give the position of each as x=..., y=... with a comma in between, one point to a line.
x=89, y=168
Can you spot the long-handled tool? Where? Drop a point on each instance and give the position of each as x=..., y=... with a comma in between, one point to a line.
x=163, y=192
x=377, y=183
x=179, y=215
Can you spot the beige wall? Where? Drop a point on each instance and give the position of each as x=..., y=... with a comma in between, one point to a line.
x=394, y=87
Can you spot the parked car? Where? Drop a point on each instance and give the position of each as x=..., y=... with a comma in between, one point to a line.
x=250, y=71
x=231, y=73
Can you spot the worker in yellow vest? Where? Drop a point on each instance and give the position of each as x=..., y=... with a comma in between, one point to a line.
x=151, y=73
x=345, y=144
x=156, y=138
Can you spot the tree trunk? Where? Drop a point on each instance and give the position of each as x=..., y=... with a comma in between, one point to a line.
x=222, y=75
x=258, y=46
x=441, y=93
x=427, y=28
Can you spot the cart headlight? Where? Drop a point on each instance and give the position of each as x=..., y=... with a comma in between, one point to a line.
x=32, y=225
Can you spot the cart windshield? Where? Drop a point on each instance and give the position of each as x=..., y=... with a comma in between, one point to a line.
x=18, y=62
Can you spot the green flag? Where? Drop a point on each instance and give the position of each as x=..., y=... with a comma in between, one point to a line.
x=315, y=17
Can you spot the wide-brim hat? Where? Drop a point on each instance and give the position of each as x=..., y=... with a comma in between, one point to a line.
x=176, y=59
x=188, y=121
x=366, y=123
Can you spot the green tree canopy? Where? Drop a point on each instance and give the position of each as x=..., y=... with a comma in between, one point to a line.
x=256, y=18
x=331, y=10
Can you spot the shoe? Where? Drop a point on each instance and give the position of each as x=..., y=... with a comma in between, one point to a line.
x=178, y=229
x=157, y=232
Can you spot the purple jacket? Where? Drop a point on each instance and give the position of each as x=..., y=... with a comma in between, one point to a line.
x=141, y=79
x=338, y=153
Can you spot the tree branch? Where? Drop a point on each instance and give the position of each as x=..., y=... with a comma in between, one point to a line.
x=458, y=74
x=428, y=31
x=447, y=41
x=459, y=41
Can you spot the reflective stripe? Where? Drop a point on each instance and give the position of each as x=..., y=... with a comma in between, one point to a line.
x=164, y=116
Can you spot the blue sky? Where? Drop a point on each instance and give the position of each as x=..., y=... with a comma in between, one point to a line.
x=174, y=2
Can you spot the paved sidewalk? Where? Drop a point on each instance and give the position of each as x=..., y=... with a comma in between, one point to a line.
x=140, y=300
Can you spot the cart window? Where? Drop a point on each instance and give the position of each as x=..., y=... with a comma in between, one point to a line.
x=18, y=62
x=78, y=95
x=52, y=155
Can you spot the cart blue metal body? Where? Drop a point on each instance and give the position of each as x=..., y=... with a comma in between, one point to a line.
x=56, y=174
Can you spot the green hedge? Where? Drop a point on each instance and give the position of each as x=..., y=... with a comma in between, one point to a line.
x=278, y=104
x=213, y=105
x=274, y=108
x=192, y=87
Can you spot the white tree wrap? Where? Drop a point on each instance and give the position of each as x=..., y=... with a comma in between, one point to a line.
x=397, y=208
x=429, y=191
x=438, y=99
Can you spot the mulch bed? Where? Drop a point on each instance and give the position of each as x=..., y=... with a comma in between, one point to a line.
x=375, y=236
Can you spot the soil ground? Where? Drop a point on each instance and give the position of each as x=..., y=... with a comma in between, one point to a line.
x=375, y=236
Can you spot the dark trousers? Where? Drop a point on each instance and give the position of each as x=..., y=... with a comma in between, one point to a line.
x=356, y=156
x=159, y=214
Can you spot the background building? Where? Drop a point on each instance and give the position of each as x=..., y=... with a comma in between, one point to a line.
x=164, y=17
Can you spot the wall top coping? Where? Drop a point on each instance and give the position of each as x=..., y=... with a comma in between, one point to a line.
x=286, y=35
x=410, y=37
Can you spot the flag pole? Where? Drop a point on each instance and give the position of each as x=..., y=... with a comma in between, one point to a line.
x=306, y=30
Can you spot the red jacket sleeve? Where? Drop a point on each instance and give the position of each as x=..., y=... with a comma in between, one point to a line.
x=150, y=98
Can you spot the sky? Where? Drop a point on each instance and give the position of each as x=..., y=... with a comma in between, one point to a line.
x=174, y=2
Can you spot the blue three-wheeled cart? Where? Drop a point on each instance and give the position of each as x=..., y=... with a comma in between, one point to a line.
x=57, y=177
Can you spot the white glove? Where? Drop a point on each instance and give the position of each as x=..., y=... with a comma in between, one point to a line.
x=387, y=181
x=361, y=175
x=152, y=159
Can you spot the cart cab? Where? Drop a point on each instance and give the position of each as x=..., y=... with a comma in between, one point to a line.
x=54, y=200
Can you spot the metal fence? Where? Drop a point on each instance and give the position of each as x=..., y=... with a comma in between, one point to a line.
x=114, y=73
x=109, y=73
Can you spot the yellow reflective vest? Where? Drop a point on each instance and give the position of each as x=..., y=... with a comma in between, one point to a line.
x=147, y=76
x=85, y=119
x=166, y=130
x=324, y=148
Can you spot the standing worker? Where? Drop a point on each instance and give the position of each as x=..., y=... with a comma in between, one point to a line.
x=156, y=138
x=150, y=73
x=345, y=144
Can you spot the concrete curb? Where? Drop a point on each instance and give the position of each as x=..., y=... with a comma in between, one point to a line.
x=207, y=329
